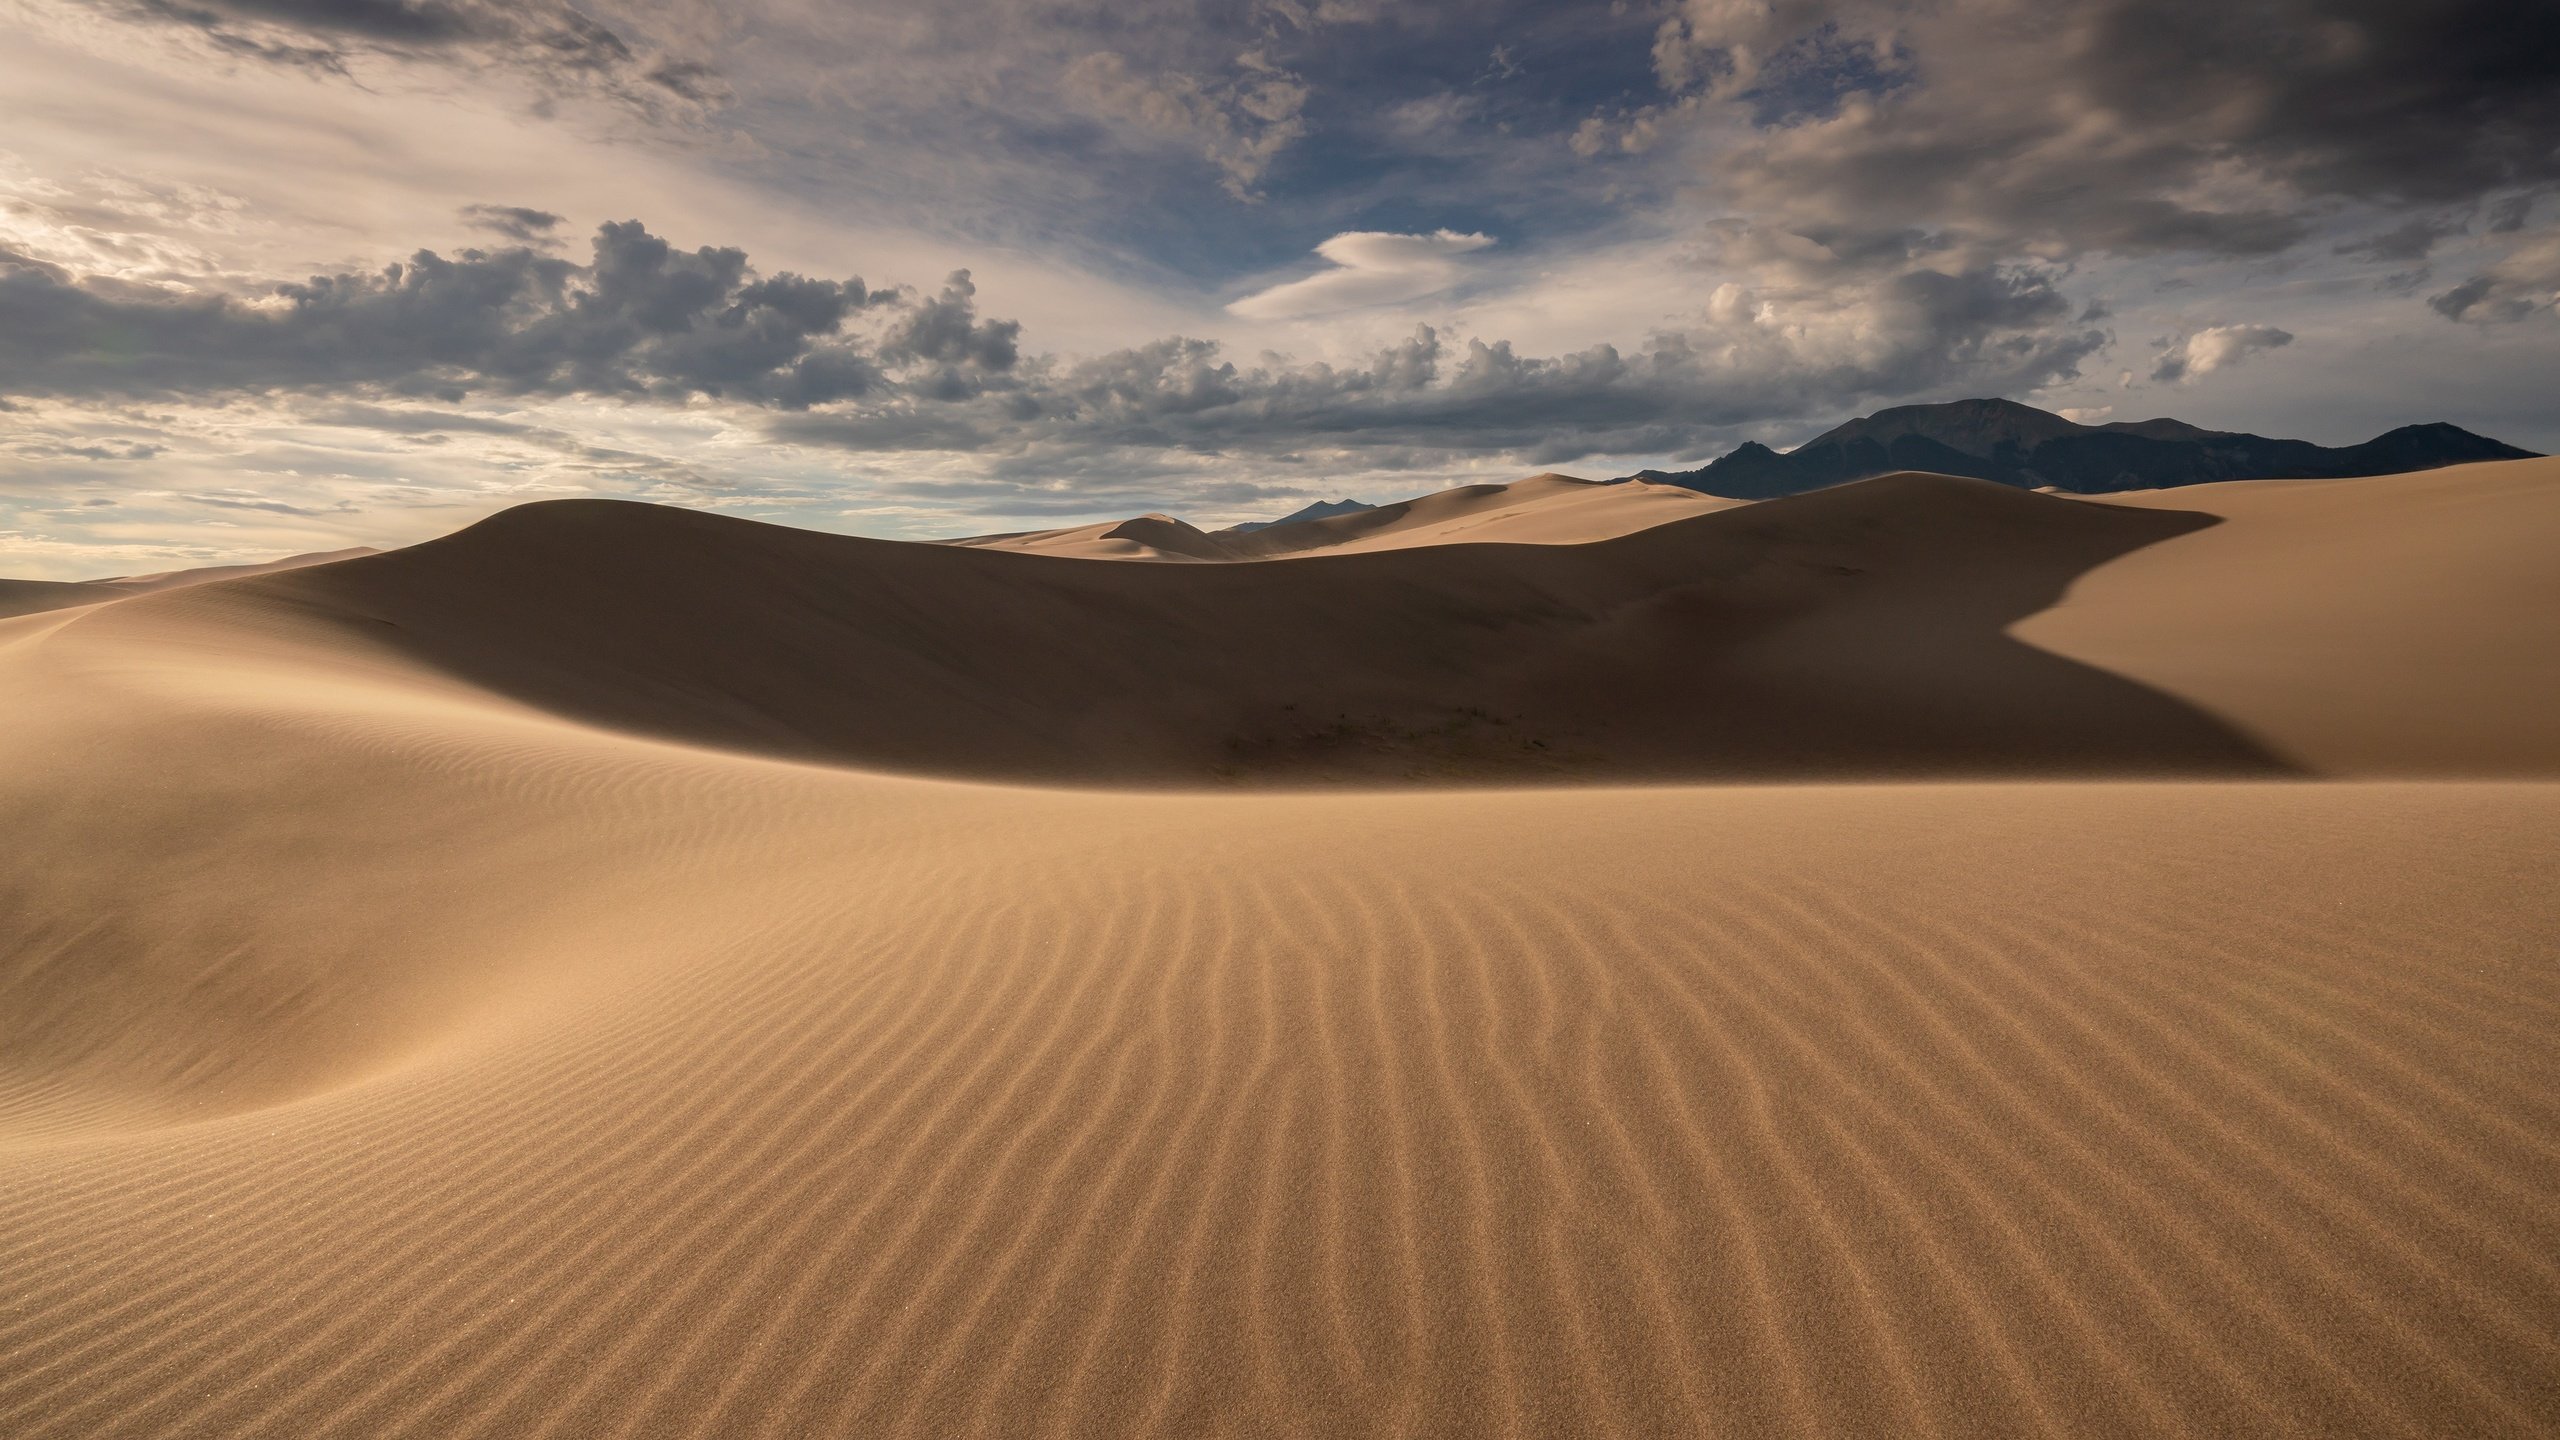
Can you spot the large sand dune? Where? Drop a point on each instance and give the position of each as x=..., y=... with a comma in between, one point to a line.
x=1855, y=631
x=410, y=1025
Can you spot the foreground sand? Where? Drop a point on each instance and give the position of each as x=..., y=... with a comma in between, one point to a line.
x=384, y=1054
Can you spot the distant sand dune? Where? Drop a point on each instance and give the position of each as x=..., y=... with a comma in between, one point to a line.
x=1541, y=510
x=403, y=1034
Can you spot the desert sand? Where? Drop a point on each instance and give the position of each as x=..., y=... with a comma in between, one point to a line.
x=617, y=971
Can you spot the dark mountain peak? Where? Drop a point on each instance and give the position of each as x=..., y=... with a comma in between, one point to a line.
x=2423, y=446
x=1972, y=427
x=2438, y=432
x=2162, y=429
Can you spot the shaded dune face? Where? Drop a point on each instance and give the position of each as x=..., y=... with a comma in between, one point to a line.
x=1859, y=631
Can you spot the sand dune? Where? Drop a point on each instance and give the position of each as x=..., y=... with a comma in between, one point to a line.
x=1855, y=631
x=1541, y=510
x=403, y=1034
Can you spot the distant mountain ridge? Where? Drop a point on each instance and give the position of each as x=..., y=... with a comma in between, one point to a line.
x=2014, y=444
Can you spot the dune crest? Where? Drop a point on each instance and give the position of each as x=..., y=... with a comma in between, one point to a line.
x=1856, y=631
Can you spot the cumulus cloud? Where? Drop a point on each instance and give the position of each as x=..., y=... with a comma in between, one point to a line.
x=1436, y=394
x=1367, y=267
x=642, y=319
x=2217, y=347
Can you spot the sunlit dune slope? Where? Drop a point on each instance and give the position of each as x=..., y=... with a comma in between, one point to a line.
x=2339, y=621
x=1855, y=631
x=1541, y=510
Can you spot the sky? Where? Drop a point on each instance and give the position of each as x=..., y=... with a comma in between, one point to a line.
x=291, y=275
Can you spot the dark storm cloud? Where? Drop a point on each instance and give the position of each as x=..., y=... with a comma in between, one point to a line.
x=2433, y=102
x=2134, y=126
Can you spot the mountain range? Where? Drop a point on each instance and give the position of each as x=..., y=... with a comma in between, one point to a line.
x=2014, y=444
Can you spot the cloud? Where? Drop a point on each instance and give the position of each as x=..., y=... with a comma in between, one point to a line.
x=946, y=331
x=2121, y=126
x=412, y=421
x=642, y=320
x=2413, y=239
x=2525, y=282
x=1369, y=267
x=561, y=47
x=1434, y=395
x=516, y=222
x=252, y=500
x=1239, y=123
x=2218, y=347
x=845, y=366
